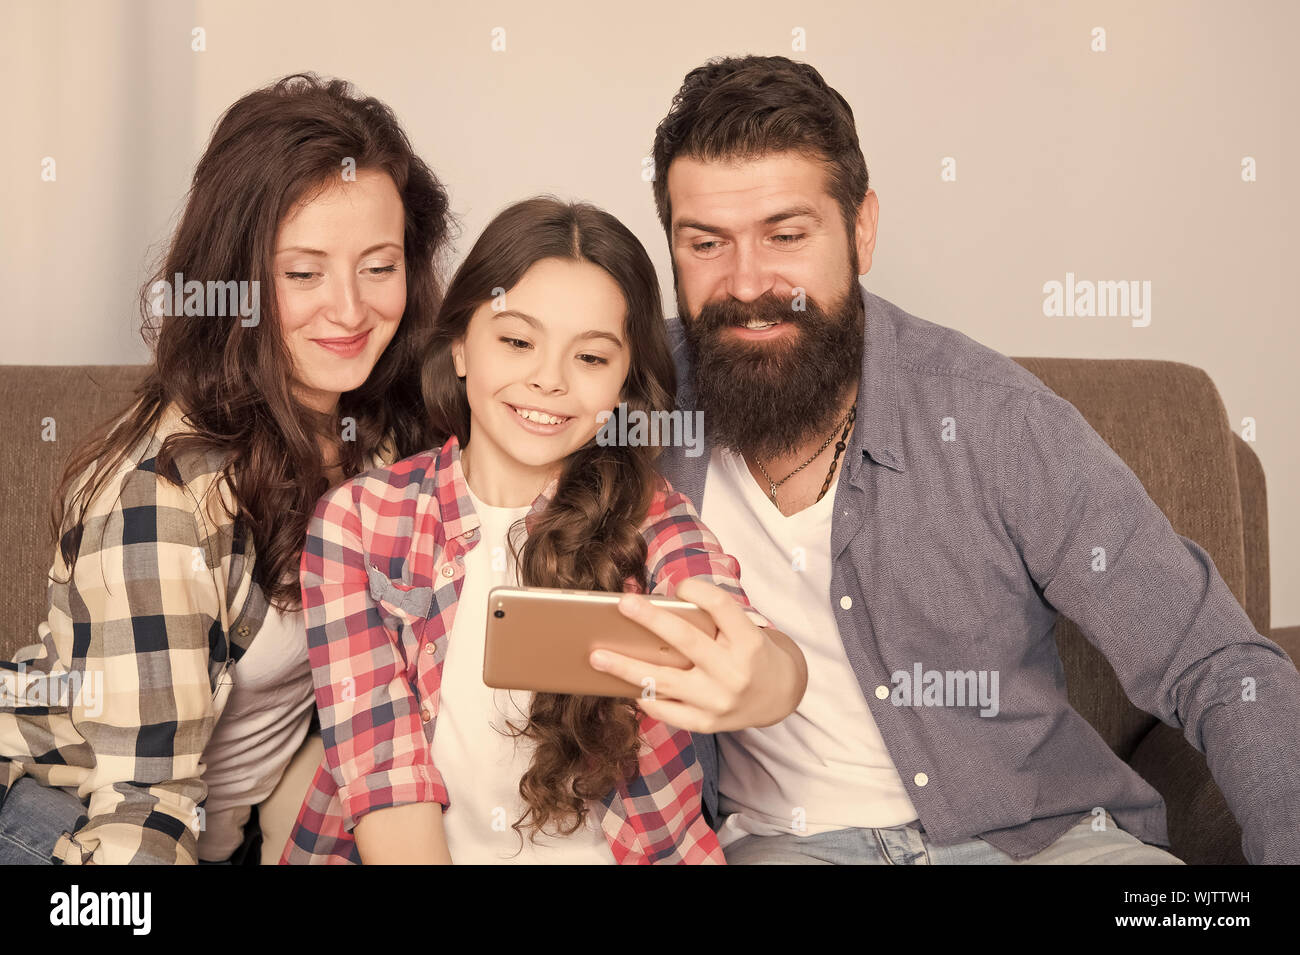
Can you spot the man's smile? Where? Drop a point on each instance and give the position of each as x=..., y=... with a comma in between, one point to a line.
x=759, y=330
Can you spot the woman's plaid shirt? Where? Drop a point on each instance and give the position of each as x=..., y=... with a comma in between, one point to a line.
x=137, y=658
x=160, y=604
x=382, y=571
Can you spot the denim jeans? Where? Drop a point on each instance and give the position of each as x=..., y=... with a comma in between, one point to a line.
x=34, y=816
x=910, y=845
x=32, y=819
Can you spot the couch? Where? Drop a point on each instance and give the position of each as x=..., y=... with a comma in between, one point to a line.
x=1165, y=419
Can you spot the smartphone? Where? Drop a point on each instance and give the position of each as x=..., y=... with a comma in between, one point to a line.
x=539, y=638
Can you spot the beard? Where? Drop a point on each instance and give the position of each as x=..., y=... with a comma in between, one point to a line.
x=769, y=397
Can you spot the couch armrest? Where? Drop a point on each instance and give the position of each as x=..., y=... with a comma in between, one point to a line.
x=1202, y=830
x=1288, y=638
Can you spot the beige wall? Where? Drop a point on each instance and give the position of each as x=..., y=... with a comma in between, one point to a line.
x=1116, y=165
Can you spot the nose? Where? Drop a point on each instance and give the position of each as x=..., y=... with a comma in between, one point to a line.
x=346, y=309
x=546, y=376
x=751, y=278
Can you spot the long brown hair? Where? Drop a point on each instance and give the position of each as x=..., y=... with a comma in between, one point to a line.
x=271, y=149
x=588, y=537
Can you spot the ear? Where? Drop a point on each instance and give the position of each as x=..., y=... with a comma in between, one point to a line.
x=865, y=230
x=458, y=356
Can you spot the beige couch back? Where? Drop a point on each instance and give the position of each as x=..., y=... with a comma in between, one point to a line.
x=1165, y=420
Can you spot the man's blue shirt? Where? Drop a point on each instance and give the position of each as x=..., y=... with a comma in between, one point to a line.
x=967, y=514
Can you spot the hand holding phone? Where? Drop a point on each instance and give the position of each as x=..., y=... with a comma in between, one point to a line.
x=540, y=638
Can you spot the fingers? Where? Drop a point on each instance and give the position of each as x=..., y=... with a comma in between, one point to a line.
x=679, y=715
x=665, y=681
x=696, y=645
x=709, y=694
x=725, y=610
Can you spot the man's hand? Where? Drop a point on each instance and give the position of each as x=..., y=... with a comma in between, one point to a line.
x=748, y=676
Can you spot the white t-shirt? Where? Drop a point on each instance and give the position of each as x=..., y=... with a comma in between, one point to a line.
x=264, y=722
x=480, y=766
x=824, y=766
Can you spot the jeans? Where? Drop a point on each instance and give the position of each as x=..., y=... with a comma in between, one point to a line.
x=32, y=819
x=910, y=845
x=34, y=816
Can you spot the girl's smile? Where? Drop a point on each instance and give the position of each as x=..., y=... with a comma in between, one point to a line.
x=537, y=420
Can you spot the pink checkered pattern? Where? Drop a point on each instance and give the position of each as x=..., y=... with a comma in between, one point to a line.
x=382, y=571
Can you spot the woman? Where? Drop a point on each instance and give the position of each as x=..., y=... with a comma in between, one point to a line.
x=553, y=319
x=287, y=323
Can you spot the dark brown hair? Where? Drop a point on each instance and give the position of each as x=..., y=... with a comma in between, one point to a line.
x=589, y=536
x=743, y=108
x=271, y=149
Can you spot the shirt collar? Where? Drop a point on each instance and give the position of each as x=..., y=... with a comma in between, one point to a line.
x=456, y=508
x=878, y=431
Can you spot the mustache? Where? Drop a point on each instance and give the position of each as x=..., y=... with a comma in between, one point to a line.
x=768, y=307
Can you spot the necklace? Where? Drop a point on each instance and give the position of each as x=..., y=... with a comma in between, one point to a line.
x=840, y=445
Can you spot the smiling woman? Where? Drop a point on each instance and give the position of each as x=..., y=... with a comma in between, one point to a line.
x=180, y=525
x=340, y=284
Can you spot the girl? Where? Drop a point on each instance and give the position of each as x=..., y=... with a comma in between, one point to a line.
x=553, y=319
x=174, y=587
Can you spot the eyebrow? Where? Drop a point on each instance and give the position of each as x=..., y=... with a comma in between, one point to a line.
x=790, y=213
x=515, y=313
x=302, y=248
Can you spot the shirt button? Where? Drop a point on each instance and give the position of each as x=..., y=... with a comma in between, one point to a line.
x=920, y=779
x=449, y=571
x=425, y=715
x=243, y=631
x=470, y=535
x=846, y=601
x=430, y=649
x=882, y=692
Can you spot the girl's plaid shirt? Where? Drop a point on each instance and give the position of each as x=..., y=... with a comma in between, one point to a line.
x=382, y=571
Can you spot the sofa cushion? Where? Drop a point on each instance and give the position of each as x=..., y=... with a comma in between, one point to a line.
x=66, y=403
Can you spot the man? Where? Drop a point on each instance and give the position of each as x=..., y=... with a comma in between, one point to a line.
x=903, y=500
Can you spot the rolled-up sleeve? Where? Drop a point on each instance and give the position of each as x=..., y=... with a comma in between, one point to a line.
x=1154, y=604
x=371, y=728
